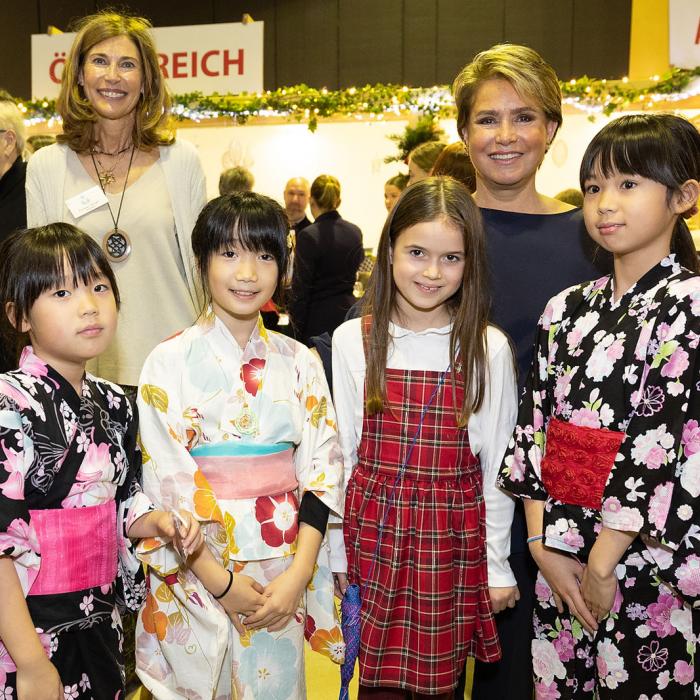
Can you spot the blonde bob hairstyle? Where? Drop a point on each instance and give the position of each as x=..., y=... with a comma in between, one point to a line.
x=152, y=112
x=325, y=191
x=529, y=74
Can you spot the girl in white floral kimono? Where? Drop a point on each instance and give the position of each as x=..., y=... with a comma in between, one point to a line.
x=237, y=425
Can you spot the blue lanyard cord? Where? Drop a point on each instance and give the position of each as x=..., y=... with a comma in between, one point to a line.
x=399, y=475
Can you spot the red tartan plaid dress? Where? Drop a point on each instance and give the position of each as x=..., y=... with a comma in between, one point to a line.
x=427, y=605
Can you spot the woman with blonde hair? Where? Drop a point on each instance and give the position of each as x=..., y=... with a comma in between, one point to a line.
x=508, y=114
x=118, y=173
x=327, y=256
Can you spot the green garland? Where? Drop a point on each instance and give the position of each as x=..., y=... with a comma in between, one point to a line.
x=610, y=96
x=302, y=103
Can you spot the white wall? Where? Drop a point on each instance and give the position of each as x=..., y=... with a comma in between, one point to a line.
x=354, y=152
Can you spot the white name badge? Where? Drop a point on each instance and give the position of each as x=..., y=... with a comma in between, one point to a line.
x=86, y=201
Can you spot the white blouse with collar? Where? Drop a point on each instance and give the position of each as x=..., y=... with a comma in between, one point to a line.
x=489, y=429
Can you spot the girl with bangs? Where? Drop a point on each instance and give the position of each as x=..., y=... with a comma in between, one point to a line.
x=605, y=453
x=426, y=400
x=70, y=498
x=238, y=426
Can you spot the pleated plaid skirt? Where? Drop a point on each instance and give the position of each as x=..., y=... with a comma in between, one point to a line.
x=426, y=606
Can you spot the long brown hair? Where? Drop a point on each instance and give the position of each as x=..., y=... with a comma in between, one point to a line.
x=435, y=198
x=151, y=123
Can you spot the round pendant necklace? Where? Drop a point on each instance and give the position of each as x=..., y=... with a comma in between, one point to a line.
x=115, y=243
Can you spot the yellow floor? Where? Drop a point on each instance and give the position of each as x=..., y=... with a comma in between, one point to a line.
x=322, y=679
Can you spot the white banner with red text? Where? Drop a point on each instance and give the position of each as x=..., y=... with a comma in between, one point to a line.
x=224, y=58
x=684, y=33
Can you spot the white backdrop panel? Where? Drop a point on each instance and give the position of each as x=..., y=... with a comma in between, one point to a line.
x=354, y=152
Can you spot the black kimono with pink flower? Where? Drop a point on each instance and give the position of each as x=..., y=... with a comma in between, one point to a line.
x=59, y=451
x=626, y=372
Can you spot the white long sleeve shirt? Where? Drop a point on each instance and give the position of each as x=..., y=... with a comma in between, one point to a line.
x=489, y=429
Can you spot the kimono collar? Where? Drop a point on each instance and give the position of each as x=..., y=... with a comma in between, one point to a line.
x=649, y=281
x=256, y=345
x=57, y=384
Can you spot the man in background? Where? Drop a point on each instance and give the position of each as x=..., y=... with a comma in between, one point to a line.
x=296, y=199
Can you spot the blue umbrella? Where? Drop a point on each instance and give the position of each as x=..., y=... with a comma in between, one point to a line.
x=350, y=624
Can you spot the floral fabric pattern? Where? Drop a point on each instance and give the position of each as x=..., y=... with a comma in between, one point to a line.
x=629, y=365
x=200, y=388
x=59, y=450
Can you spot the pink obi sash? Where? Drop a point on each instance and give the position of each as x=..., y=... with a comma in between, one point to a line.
x=578, y=461
x=78, y=548
x=247, y=473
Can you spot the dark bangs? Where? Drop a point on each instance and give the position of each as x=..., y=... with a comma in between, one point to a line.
x=254, y=221
x=640, y=144
x=36, y=260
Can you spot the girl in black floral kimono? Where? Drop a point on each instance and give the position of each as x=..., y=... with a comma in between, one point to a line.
x=607, y=447
x=69, y=477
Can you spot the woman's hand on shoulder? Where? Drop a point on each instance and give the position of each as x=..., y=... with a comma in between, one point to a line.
x=563, y=573
x=503, y=597
x=39, y=681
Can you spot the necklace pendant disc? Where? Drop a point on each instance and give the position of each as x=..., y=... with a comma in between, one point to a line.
x=116, y=245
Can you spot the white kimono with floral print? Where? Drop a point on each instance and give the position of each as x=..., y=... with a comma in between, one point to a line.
x=199, y=387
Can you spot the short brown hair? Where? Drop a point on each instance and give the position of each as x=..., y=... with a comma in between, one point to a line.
x=528, y=73
x=236, y=179
x=425, y=154
x=455, y=162
x=325, y=190
x=151, y=125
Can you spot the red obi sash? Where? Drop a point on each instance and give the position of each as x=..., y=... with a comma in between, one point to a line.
x=248, y=476
x=577, y=462
x=78, y=548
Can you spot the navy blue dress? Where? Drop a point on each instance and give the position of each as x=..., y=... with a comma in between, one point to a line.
x=531, y=258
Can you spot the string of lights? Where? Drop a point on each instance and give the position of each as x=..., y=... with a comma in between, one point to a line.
x=305, y=104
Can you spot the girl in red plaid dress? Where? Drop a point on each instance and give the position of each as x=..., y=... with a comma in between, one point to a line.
x=440, y=572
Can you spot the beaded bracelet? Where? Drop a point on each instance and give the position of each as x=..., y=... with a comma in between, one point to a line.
x=534, y=538
x=228, y=588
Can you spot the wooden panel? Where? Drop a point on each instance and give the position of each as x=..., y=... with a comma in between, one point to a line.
x=307, y=43
x=544, y=26
x=337, y=43
x=63, y=14
x=15, y=49
x=601, y=38
x=260, y=10
x=370, y=45
x=419, y=43
x=465, y=27
x=168, y=14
